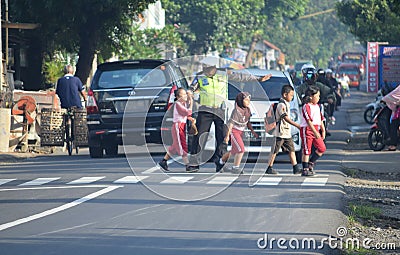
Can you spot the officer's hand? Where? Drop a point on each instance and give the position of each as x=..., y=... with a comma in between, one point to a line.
x=265, y=78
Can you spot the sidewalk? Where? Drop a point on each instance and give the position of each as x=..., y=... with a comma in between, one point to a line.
x=357, y=154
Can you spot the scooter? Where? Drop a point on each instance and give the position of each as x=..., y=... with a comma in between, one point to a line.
x=371, y=109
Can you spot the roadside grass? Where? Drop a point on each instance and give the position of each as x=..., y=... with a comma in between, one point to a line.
x=364, y=212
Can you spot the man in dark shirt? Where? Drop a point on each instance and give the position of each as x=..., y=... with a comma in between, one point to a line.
x=69, y=88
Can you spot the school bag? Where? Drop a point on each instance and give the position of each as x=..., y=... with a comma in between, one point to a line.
x=270, y=121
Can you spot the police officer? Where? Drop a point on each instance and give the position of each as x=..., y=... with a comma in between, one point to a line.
x=212, y=85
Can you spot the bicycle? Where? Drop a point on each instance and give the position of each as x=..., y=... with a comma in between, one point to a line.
x=69, y=138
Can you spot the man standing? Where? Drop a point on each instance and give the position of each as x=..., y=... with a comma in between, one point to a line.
x=69, y=88
x=212, y=84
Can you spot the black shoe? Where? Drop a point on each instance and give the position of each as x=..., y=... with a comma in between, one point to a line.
x=328, y=134
x=297, y=169
x=218, y=166
x=192, y=169
x=311, y=166
x=164, y=165
x=270, y=170
x=307, y=172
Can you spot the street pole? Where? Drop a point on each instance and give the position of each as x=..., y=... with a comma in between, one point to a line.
x=6, y=35
x=1, y=55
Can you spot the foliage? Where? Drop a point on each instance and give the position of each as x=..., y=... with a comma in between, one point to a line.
x=318, y=37
x=211, y=24
x=53, y=71
x=86, y=27
x=372, y=20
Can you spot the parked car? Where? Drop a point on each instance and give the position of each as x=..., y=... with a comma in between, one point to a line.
x=132, y=95
x=263, y=95
x=353, y=71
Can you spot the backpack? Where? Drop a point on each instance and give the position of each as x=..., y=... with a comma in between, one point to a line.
x=270, y=121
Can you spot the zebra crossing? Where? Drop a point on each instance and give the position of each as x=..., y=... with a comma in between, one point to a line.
x=175, y=179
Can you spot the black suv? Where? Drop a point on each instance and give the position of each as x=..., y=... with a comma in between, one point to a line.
x=130, y=98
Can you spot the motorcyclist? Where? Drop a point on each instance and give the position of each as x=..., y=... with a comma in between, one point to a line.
x=296, y=81
x=333, y=84
x=327, y=95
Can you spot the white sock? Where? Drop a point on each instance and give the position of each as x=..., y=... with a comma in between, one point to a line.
x=236, y=167
x=221, y=162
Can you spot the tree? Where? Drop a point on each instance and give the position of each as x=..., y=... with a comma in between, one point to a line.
x=212, y=24
x=83, y=26
x=372, y=20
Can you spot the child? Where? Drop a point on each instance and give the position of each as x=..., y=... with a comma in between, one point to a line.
x=282, y=131
x=238, y=121
x=182, y=112
x=312, y=130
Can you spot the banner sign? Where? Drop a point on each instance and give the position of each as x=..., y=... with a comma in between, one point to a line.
x=372, y=66
x=389, y=65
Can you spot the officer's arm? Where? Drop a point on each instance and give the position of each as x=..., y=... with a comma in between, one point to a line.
x=195, y=85
x=243, y=77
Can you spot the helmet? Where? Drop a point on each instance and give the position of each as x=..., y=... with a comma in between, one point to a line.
x=309, y=73
x=328, y=71
x=321, y=72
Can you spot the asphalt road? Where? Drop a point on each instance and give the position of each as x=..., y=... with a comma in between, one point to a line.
x=58, y=204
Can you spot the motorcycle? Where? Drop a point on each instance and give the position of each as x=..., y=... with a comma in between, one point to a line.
x=378, y=136
x=371, y=109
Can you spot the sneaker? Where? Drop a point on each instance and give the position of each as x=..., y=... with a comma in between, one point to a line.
x=218, y=166
x=297, y=169
x=192, y=169
x=236, y=170
x=307, y=172
x=270, y=170
x=164, y=165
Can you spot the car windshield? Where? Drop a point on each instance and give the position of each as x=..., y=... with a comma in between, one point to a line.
x=353, y=59
x=125, y=78
x=349, y=71
x=269, y=90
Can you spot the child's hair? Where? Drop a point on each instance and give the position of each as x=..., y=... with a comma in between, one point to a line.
x=310, y=91
x=240, y=97
x=176, y=93
x=286, y=89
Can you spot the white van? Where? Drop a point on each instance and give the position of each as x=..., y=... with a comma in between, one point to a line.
x=262, y=96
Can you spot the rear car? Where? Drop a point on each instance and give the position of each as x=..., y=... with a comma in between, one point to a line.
x=130, y=99
x=352, y=70
x=263, y=95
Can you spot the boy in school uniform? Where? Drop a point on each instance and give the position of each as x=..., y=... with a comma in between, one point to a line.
x=282, y=131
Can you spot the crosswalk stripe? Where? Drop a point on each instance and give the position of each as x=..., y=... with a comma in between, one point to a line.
x=4, y=181
x=177, y=179
x=39, y=181
x=130, y=179
x=223, y=180
x=314, y=181
x=86, y=180
x=269, y=181
x=151, y=170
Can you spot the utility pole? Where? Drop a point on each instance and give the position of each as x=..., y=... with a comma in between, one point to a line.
x=1, y=54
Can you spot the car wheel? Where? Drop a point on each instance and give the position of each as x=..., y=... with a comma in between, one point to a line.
x=112, y=150
x=96, y=152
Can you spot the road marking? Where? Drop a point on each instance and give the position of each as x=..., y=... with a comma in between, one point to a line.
x=58, y=209
x=4, y=181
x=130, y=179
x=177, y=179
x=223, y=180
x=268, y=181
x=314, y=181
x=39, y=181
x=151, y=170
x=86, y=180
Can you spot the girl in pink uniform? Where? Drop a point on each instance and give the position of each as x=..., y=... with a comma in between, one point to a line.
x=312, y=130
x=238, y=122
x=182, y=113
